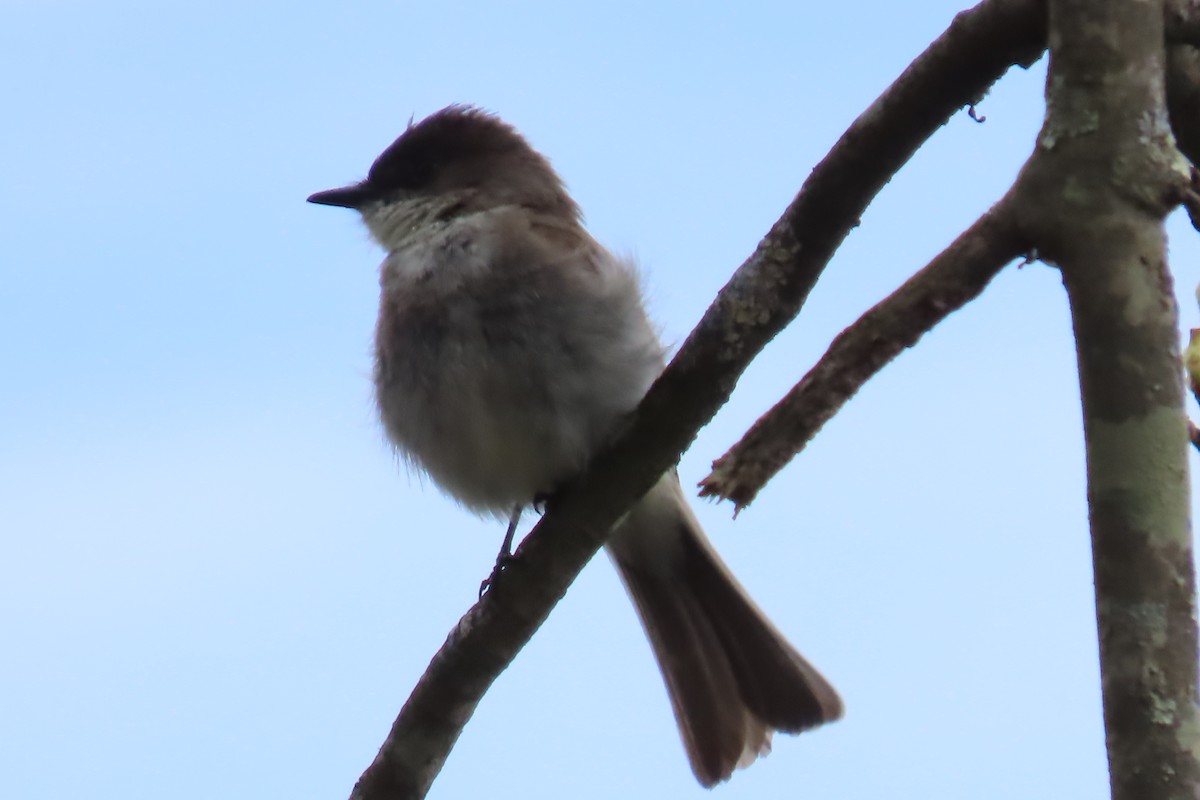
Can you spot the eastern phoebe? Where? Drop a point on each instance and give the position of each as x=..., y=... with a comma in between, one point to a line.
x=509, y=346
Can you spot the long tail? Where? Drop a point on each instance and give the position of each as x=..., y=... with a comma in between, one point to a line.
x=732, y=677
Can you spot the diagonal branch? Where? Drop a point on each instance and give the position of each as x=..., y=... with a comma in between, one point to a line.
x=764, y=294
x=784, y=431
x=955, y=277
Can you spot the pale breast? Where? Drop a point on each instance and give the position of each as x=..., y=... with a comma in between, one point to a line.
x=503, y=358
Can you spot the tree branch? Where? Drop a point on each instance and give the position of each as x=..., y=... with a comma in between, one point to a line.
x=1093, y=196
x=783, y=432
x=952, y=279
x=1183, y=98
x=1182, y=30
x=1182, y=22
x=764, y=294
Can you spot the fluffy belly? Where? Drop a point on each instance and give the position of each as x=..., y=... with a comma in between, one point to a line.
x=501, y=389
x=489, y=444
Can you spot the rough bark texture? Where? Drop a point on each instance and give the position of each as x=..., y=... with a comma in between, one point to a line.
x=1183, y=21
x=1095, y=193
x=954, y=278
x=1183, y=98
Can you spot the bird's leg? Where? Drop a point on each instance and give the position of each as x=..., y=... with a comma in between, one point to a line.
x=505, y=554
x=506, y=547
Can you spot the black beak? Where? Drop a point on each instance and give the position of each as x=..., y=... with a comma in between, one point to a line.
x=352, y=196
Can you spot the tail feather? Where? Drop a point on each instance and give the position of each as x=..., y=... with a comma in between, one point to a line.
x=732, y=677
x=718, y=732
x=778, y=684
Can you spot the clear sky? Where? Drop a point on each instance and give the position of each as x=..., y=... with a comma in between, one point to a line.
x=217, y=582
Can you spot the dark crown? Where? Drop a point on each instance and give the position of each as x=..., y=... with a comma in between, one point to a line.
x=463, y=147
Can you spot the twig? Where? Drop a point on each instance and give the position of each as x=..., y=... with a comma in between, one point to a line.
x=953, y=278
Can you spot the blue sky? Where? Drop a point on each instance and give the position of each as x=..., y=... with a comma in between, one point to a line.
x=216, y=580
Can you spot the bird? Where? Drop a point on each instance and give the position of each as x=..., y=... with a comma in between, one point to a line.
x=509, y=347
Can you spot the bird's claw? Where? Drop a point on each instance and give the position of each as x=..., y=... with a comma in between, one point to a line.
x=501, y=564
